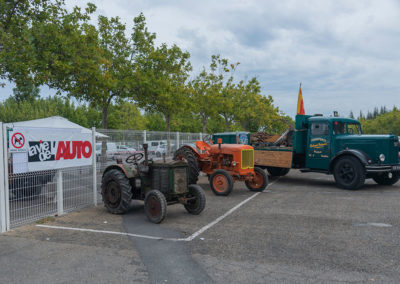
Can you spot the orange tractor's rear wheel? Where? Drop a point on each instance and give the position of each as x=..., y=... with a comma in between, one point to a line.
x=260, y=181
x=189, y=156
x=221, y=182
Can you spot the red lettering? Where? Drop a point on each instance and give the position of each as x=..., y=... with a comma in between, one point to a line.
x=86, y=149
x=78, y=148
x=63, y=150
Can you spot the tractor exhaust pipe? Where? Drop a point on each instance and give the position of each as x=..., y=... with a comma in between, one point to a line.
x=146, y=154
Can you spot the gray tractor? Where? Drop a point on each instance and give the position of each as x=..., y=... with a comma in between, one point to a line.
x=158, y=183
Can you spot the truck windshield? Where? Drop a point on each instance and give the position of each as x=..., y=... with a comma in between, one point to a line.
x=353, y=128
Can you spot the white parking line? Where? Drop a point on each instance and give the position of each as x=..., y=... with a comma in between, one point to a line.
x=188, y=239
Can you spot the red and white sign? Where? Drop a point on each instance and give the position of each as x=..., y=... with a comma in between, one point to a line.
x=52, y=148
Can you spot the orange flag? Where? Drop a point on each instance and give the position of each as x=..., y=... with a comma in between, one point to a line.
x=300, y=104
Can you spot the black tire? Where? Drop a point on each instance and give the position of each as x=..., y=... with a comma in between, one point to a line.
x=190, y=157
x=349, y=173
x=155, y=206
x=221, y=182
x=260, y=182
x=196, y=206
x=384, y=179
x=277, y=172
x=116, y=191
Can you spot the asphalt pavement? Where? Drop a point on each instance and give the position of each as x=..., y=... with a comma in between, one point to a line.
x=302, y=229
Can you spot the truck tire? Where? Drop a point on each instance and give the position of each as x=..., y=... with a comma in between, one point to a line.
x=116, y=191
x=349, y=173
x=260, y=182
x=155, y=206
x=189, y=156
x=221, y=182
x=277, y=172
x=386, y=179
x=196, y=205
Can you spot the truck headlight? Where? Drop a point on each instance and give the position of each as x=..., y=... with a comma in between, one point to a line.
x=382, y=157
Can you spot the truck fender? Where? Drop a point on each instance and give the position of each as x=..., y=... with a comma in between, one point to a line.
x=360, y=155
x=127, y=173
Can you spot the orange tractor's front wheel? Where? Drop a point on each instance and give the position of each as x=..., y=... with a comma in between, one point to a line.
x=259, y=182
x=221, y=182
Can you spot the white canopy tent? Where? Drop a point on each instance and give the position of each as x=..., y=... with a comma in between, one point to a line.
x=53, y=122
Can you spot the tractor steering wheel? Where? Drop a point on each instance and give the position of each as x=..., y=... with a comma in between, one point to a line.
x=132, y=159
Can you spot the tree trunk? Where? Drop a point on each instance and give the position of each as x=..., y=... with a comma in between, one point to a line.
x=104, y=141
x=204, y=122
x=168, y=119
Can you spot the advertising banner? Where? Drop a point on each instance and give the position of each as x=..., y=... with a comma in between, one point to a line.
x=38, y=149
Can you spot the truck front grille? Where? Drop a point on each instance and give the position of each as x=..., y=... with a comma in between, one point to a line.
x=180, y=180
x=247, y=159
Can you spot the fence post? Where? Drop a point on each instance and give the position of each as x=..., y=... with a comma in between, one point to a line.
x=60, y=198
x=144, y=136
x=6, y=185
x=201, y=136
x=177, y=140
x=94, y=166
x=3, y=222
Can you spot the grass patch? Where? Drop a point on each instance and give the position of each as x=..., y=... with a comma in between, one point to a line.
x=46, y=220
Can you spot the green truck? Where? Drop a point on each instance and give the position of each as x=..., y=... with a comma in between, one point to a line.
x=330, y=145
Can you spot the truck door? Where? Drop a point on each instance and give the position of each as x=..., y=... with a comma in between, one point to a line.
x=319, y=146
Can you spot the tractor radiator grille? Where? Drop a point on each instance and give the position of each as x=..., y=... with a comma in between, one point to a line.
x=180, y=180
x=247, y=159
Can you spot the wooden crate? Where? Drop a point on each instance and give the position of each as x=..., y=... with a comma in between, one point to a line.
x=281, y=159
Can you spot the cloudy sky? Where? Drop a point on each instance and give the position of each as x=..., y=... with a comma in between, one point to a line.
x=345, y=53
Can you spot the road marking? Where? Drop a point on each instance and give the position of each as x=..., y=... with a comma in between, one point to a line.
x=382, y=225
x=188, y=239
x=110, y=232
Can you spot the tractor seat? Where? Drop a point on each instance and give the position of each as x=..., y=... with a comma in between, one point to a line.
x=203, y=146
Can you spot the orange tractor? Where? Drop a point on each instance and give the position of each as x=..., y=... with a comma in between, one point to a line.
x=224, y=164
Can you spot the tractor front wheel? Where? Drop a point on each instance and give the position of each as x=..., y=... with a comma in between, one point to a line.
x=155, y=206
x=197, y=200
x=259, y=182
x=221, y=182
x=116, y=191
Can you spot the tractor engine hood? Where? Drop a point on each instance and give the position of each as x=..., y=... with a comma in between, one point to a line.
x=372, y=145
x=229, y=148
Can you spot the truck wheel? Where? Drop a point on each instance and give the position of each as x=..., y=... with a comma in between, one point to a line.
x=277, y=172
x=221, y=182
x=386, y=178
x=349, y=173
x=187, y=155
x=155, y=206
x=260, y=182
x=116, y=191
x=197, y=204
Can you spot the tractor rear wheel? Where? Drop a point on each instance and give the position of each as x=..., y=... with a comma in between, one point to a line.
x=155, y=206
x=260, y=181
x=386, y=178
x=197, y=204
x=116, y=191
x=277, y=172
x=190, y=157
x=221, y=182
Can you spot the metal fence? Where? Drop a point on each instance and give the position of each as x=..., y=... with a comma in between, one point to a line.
x=30, y=196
